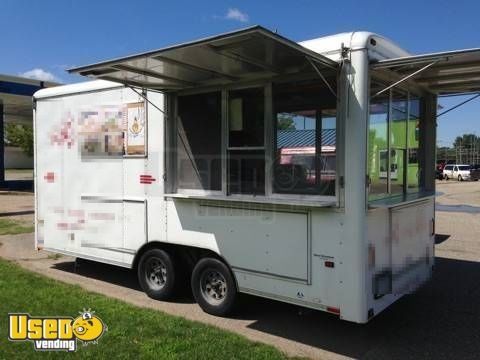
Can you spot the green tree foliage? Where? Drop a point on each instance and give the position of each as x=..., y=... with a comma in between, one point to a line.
x=445, y=153
x=467, y=141
x=285, y=122
x=21, y=136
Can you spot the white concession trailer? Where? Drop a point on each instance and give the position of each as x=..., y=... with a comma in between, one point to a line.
x=246, y=162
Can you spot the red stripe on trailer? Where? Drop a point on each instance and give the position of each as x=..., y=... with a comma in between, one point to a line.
x=50, y=177
x=147, y=179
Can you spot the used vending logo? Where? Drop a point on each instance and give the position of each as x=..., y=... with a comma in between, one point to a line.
x=57, y=332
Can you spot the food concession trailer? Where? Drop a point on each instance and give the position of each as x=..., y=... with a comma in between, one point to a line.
x=246, y=162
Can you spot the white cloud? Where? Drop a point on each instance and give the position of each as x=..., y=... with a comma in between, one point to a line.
x=40, y=74
x=236, y=14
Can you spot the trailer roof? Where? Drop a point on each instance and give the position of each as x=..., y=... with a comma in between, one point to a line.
x=247, y=54
x=444, y=73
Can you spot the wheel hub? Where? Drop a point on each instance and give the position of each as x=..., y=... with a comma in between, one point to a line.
x=156, y=274
x=213, y=286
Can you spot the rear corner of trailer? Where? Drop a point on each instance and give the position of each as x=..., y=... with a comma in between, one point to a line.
x=39, y=235
x=48, y=160
x=400, y=224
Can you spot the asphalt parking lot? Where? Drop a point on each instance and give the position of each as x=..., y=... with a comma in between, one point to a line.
x=440, y=321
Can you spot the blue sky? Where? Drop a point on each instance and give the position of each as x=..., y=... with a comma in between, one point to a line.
x=43, y=38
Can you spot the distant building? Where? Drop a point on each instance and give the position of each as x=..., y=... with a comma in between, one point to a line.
x=16, y=107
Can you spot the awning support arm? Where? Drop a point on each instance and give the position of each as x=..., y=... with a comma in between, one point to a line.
x=194, y=165
x=317, y=70
x=153, y=74
x=405, y=78
x=458, y=105
x=146, y=99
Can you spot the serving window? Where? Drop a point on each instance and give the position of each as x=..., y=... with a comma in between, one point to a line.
x=199, y=146
x=269, y=140
x=395, y=146
x=246, y=141
x=305, y=139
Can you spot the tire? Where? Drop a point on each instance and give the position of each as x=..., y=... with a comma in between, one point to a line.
x=460, y=178
x=156, y=274
x=446, y=177
x=214, y=287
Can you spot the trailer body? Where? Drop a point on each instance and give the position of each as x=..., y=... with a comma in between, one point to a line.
x=112, y=159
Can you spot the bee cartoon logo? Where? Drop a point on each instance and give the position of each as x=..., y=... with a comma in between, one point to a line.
x=56, y=333
x=88, y=327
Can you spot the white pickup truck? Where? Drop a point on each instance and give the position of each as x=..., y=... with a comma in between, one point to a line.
x=455, y=171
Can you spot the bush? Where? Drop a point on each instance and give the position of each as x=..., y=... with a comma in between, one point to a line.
x=21, y=136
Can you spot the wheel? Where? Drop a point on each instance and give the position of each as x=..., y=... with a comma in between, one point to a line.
x=214, y=287
x=460, y=178
x=156, y=274
x=446, y=177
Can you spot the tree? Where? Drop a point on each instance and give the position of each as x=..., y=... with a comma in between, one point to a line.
x=467, y=148
x=467, y=141
x=21, y=136
x=285, y=122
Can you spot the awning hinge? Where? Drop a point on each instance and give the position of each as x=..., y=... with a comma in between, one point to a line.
x=345, y=51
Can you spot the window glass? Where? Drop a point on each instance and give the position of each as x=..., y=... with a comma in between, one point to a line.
x=378, y=159
x=398, y=142
x=246, y=172
x=246, y=117
x=199, y=142
x=305, y=134
x=328, y=169
x=246, y=153
x=414, y=166
x=395, y=153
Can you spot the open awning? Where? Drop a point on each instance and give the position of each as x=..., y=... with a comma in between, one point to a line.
x=248, y=54
x=443, y=73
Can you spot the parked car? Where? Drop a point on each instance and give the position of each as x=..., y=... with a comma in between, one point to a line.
x=475, y=172
x=438, y=174
x=457, y=171
x=439, y=169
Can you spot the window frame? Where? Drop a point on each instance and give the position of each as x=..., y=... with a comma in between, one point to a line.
x=269, y=146
x=174, y=157
x=411, y=91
